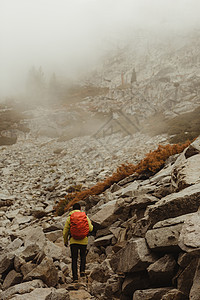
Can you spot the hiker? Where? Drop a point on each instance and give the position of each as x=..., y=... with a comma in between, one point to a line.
x=77, y=226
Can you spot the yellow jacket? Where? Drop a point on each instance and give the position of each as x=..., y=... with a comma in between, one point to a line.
x=66, y=231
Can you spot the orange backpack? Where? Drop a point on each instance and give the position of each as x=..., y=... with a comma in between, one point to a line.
x=79, y=227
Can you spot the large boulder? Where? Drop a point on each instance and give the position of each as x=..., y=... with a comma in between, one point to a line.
x=22, y=288
x=164, y=239
x=175, y=234
x=175, y=204
x=155, y=294
x=162, y=271
x=44, y=294
x=106, y=215
x=135, y=256
x=46, y=271
x=135, y=281
x=187, y=172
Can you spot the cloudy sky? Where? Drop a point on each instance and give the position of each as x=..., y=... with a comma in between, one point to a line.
x=61, y=35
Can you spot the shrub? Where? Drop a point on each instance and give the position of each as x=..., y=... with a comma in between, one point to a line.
x=152, y=163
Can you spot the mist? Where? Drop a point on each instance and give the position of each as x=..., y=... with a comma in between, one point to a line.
x=70, y=37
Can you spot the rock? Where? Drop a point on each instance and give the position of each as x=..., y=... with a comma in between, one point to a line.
x=101, y=273
x=38, y=293
x=58, y=294
x=112, y=288
x=162, y=271
x=79, y=295
x=128, y=191
x=187, y=172
x=53, y=227
x=33, y=236
x=53, y=251
x=105, y=216
x=142, y=201
x=46, y=271
x=185, y=279
x=12, y=278
x=164, y=239
x=20, y=219
x=195, y=289
x=155, y=294
x=134, y=282
x=193, y=149
x=173, y=294
x=22, y=288
x=189, y=239
x=6, y=262
x=176, y=204
x=17, y=243
x=27, y=268
x=30, y=252
x=128, y=179
x=104, y=241
x=54, y=235
x=134, y=257
x=18, y=262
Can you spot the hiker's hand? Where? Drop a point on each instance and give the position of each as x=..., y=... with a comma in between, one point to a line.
x=66, y=244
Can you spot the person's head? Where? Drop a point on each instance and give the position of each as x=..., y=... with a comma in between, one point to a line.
x=76, y=206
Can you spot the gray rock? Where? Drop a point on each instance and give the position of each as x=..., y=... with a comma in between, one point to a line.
x=22, y=288
x=128, y=191
x=38, y=293
x=134, y=282
x=195, y=289
x=53, y=235
x=105, y=216
x=186, y=277
x=104, y=241
x=30, y=252
x=162, y=271
x=53, y=251
x=164, y=239
x=155, y=294
x=134, y=257
x=6, y=262
x=33, y=236
x=142, y=201
x=27, y=268
x=190, y=234
x=46, y=271
x=12, y=278
x=80, y=294
x=194, y=148
x=176, y=204
x=187, y=172
x=173, y=294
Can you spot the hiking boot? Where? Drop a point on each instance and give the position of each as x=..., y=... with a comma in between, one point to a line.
x=82, y=274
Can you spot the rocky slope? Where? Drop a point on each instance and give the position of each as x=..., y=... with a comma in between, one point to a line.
x=146, y=239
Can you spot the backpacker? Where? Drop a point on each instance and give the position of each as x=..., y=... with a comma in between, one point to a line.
x=79, y=227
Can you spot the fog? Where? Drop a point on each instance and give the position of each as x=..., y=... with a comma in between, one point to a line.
x=71, y=36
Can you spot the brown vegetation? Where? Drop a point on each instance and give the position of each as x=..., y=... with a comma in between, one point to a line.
x=151, y=164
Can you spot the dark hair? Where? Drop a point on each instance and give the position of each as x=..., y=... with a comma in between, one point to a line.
x=76, y=206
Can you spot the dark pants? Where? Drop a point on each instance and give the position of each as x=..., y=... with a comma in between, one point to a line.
x=74, y=253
